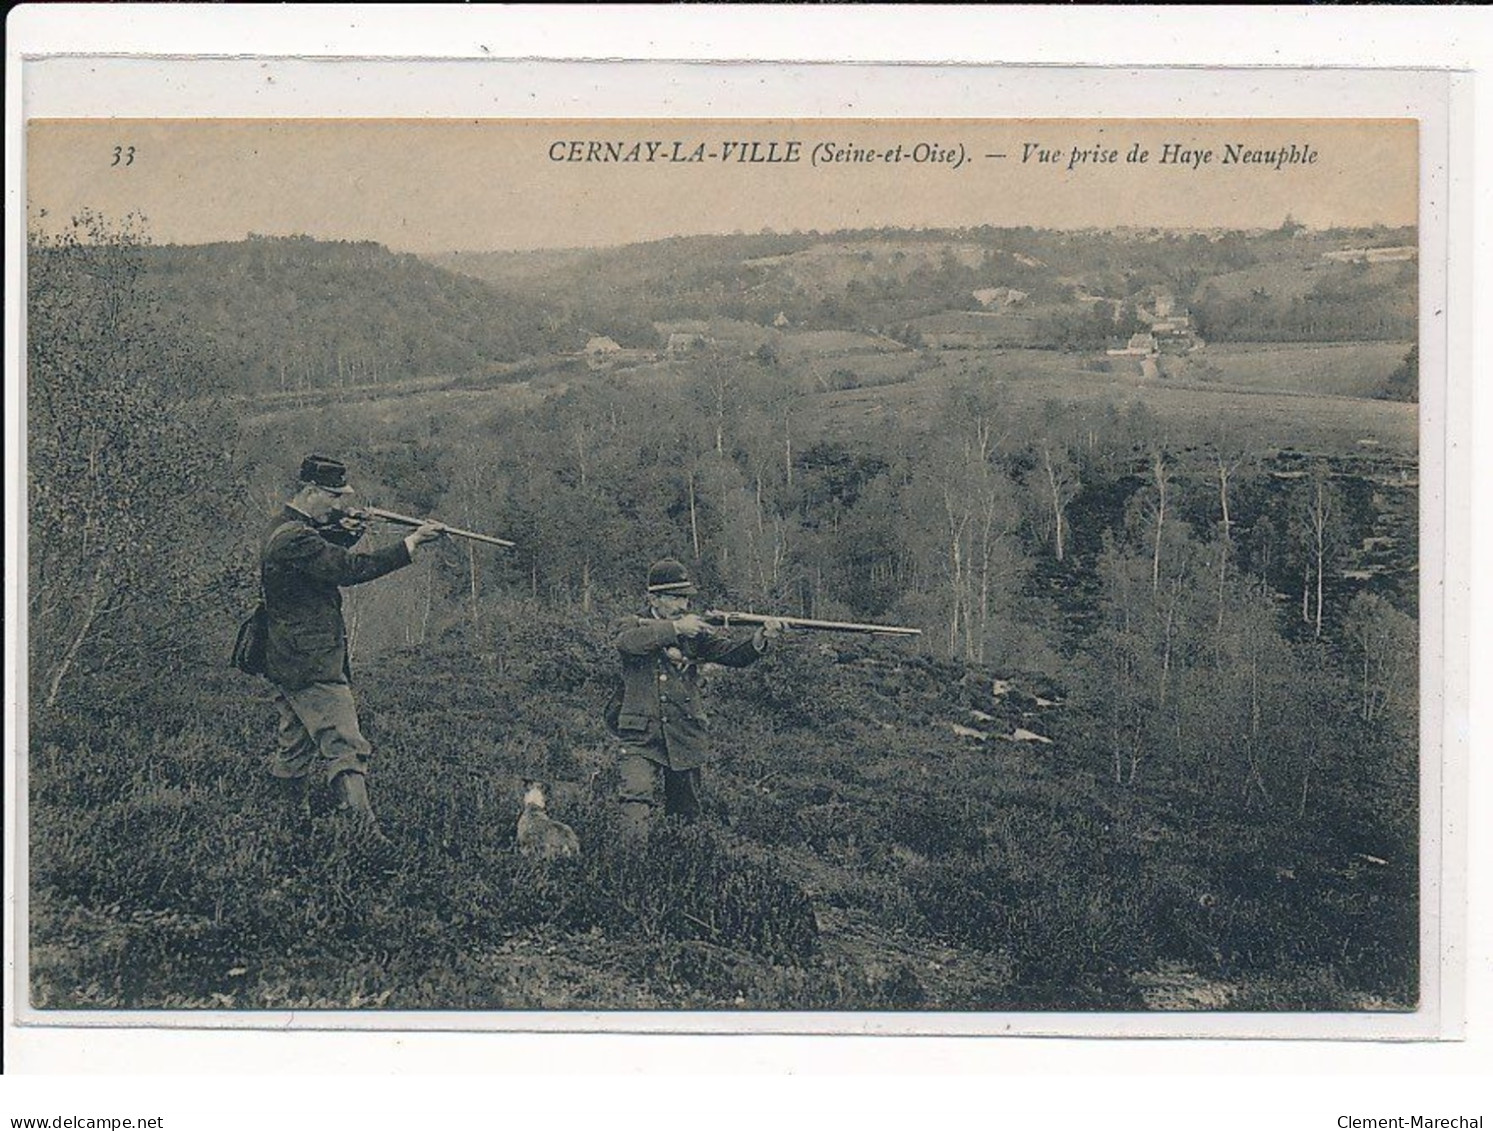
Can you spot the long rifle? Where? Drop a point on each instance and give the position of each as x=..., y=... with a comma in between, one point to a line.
x=409, y=520
x=727, y=619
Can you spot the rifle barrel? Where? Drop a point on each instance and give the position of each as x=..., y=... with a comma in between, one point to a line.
x=726, y=619
x=455, y=531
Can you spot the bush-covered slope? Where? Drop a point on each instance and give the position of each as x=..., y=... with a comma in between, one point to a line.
x=860, y=854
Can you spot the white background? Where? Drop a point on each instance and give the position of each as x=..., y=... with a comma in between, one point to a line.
x=1064, y=1082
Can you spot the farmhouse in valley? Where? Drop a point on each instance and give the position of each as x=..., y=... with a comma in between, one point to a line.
x=1171, y=327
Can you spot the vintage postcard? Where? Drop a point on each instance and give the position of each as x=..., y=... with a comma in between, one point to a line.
x=751, y=570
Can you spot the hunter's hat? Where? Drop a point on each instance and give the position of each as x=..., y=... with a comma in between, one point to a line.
x=670, y=578
x=327, y=473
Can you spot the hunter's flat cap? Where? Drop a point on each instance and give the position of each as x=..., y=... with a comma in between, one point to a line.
x=670, y=577
x=324, y=472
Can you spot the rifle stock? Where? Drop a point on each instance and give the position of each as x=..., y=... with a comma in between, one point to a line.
x=455, y=531
x=726, y=619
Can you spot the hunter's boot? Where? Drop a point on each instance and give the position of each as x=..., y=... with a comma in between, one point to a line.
x=351, y=788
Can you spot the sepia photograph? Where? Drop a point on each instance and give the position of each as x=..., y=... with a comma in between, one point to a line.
x=730, y=574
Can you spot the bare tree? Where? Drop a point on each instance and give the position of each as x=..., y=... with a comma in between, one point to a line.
x=1054, y=484
x=1318, y=523
x=1231, y=450
x=1161, y=479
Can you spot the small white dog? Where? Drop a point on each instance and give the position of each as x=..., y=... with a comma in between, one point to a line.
x=541, y=835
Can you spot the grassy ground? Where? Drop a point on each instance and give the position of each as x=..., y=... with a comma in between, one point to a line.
x=1336, y=369
x=860, y=855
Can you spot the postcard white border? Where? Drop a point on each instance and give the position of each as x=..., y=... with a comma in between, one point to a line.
x=158, y=84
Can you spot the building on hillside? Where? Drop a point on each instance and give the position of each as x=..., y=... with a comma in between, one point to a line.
x=1175, y=334
x=781, y=321
x=1139, y=345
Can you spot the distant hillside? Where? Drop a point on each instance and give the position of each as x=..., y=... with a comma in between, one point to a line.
x=621, y=292
x=844, y=280
x=882, y=280
x=297, y=314
x=302, y=313
x=1310, y=299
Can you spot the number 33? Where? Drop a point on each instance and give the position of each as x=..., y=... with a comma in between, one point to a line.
x=123, y=155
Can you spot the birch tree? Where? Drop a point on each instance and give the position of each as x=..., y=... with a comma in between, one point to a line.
x=1230, y=454
x=1052, y=484
x=977, y=509
x=1318, y=521
x=1381, y=644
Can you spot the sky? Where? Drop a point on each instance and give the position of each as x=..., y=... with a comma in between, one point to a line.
x=435, y=186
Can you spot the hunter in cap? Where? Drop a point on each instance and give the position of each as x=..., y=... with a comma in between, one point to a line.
x=305, y=561
x=660, y=716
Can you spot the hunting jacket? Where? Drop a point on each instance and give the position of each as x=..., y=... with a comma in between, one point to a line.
x=301, y=574
x=663, y=714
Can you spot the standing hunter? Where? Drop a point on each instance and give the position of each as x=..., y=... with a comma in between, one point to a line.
x=661, y=718
x=305, y=560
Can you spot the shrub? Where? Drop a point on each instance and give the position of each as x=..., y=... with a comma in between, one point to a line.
x=1069, y=943
x=935, y=827
x=685, y=883
x=798, y=687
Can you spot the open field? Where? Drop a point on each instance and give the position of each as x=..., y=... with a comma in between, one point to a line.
x=803, y=344
x=833, y=266
x=1333, y=369
x=978, y=329
x=413, y=406
x=1305, y=396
